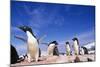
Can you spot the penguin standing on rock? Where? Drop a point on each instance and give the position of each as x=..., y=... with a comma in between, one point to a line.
x=33, y=48
x=53, y=49
x=68, y=51
x=76, y=46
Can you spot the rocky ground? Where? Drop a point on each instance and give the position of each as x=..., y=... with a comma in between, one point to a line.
x=58, y=59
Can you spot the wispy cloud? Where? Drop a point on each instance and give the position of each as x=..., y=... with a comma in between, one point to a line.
x=40, y=18
x=86, y=37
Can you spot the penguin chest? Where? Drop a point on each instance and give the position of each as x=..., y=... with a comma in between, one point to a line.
x=75, y=47
x=81, y=51
x=33, y=48
x=68, y=48
x=51, y=49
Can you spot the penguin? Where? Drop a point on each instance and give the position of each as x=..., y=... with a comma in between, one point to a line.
x=53, y=49
x=14, y=55
x=85, y=50
x=68, y=50
x=76, y=46
x=33, y=44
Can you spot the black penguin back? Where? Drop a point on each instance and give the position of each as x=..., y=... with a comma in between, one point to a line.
x=14, y=55
x=39, y=52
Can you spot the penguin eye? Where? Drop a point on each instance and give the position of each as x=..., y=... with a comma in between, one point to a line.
x=24, y=27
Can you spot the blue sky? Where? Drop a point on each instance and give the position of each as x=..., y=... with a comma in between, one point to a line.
x=60, y=22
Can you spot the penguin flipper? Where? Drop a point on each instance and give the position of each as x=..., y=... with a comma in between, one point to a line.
x=39, y=52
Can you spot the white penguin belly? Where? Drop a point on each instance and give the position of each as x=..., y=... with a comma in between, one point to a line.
x=81, y=51
x=68, y=50
x=76, y=49
x=50, y=49
x=33, y=50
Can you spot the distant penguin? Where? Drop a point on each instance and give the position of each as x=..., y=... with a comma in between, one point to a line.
x=53, y=49
x=68, y=50
x=85, y=50
x=76, y=46
x=33, y=45
x=14, y=55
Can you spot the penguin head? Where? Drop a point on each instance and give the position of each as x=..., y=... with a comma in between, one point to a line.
x=75, y=39
x=25, y=28
x=54, y=42
x=67, y=43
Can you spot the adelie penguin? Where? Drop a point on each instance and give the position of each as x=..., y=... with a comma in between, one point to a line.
x=53, y=49
x=68, y=50
x=33, y=44
x=83, y=50
x=76, y=46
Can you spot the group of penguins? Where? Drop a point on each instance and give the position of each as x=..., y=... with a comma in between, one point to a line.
x=34, y=52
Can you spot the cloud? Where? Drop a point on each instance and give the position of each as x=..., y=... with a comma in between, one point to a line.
x=14, y=28
x=40, y=16
x=86, y=37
